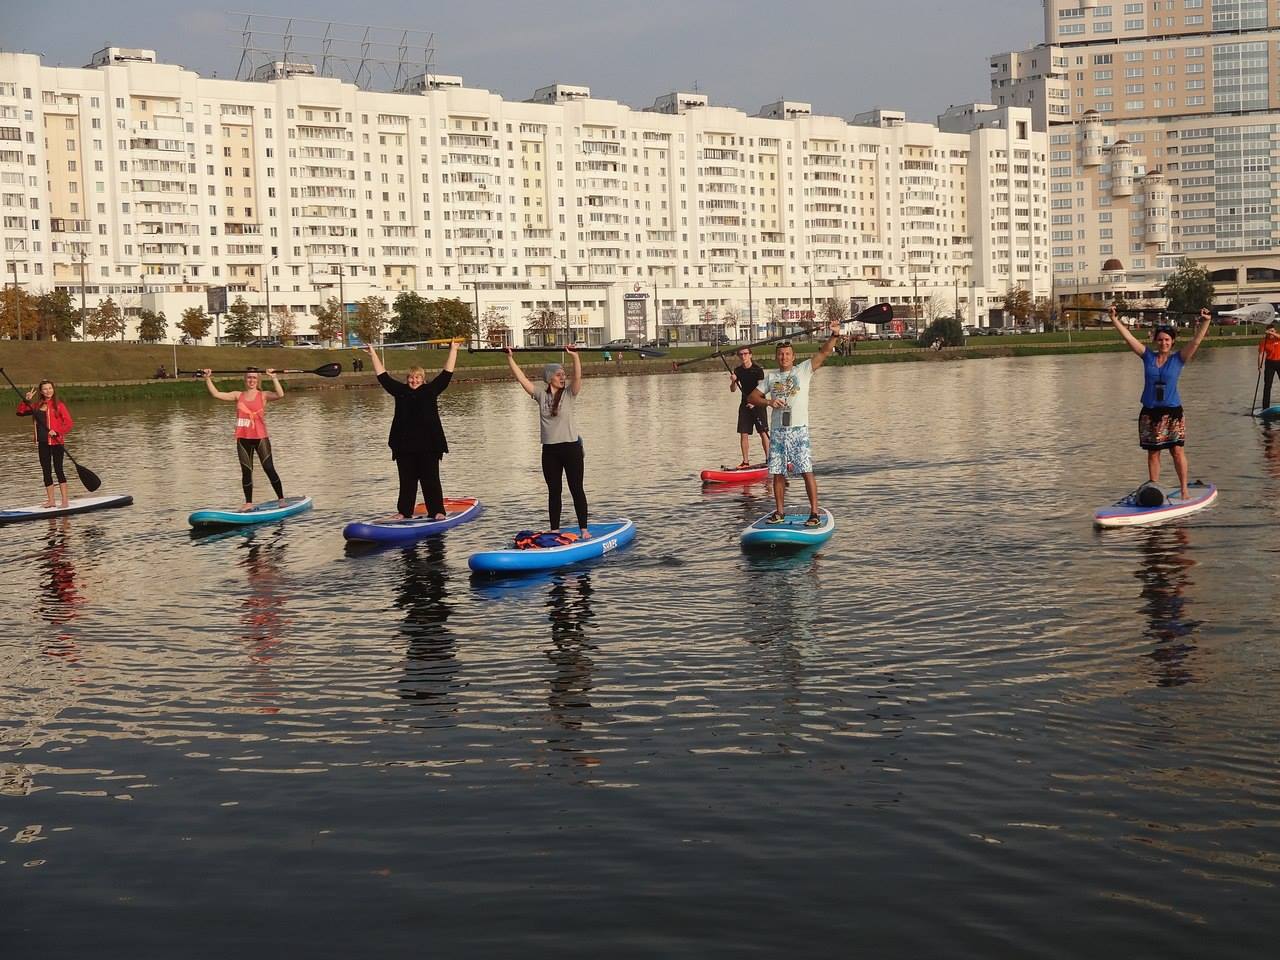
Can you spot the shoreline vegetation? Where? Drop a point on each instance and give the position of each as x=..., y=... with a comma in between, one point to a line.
x=119, y=371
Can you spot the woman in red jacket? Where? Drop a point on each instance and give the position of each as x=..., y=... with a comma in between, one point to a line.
x=52, y=423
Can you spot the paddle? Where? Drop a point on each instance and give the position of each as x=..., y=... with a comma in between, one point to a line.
x=328, y=370
x=646, y=353
x=1253, y=407
x=88, y=478
x=876, y=315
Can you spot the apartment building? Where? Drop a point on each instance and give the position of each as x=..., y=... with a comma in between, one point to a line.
x=1164, y=124
x=144, y=182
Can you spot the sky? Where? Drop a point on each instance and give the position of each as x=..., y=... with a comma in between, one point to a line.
x=843, y=56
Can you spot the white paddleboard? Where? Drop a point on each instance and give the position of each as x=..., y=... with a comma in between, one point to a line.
x=76, y=505
x=1128, y=512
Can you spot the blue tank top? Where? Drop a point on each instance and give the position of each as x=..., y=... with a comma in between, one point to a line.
x=1160, y=388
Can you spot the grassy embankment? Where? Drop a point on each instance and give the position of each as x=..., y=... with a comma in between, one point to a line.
x=113, y=370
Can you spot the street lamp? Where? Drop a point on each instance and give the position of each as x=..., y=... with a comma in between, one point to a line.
x=266, y=276
x=17, y=298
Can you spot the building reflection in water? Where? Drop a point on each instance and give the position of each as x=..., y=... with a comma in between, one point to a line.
x=1165, y=574
x=429, y=678
x=572, y=615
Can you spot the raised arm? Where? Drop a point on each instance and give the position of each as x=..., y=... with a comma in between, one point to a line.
x=519, y=374
x=819, y=358
x=378, y=368
x=278, y=394
x=575, y=382
x=1189, y=351
x=214, y=391
x=1136, y=345
x=453, y=356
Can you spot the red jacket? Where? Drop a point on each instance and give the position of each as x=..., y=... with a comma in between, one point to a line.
x=58, y=419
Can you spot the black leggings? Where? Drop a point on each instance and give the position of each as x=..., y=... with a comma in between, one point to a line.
x=566, y=457
x=1272, y=368
x=245, y=450
x=51, y=455
x=419, y=469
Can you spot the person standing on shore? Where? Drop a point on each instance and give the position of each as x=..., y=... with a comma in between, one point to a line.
x=746, y=377
x=786, y=392
x=562, y=452
x=251, y=428
x=417, y=439
x=1269, y=361
x=1161, y=422
x=52, y=423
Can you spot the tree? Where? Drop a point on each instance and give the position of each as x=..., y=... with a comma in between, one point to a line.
x=58, y=318
x=286, y=326
x=1188, y=289
x=1017, y=304
x=195, y=323
x=833, y=309
x=935, y=308
x=774, y=317
x=1083, y=308
x=948, y=330
x=411, y=319
x=330, y=323
x=241, y=323
x=105, y=322
x=370, y=319
x=1042, y=312
x=450, y=318
x=18, y=308
x=152, y=327
x=546, y=321
x=494, y=329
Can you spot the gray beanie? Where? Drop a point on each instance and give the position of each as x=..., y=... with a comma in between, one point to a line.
x=550, y=370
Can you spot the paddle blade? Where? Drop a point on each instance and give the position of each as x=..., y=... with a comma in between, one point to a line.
x=88, y=478
x=647, y=354
x=328, y=370
x=876, y=314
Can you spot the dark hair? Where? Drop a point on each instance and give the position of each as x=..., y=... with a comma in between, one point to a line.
x=1164, y=328
x=39, y=397
x=557, y=397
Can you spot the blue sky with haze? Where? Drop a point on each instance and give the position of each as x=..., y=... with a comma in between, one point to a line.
x=843, y=56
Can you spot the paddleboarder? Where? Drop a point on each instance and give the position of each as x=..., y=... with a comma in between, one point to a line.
x=251, y=428
x=52, y=423
x=1161, y=422
x=785, y=391
x=1269, y=361
x=417, y=439
x=562, y=452
x=746, y=377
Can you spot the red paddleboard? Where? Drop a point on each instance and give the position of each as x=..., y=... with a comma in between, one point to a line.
x=750, y=474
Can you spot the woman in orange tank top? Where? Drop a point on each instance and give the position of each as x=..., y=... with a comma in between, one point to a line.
x=251, y=428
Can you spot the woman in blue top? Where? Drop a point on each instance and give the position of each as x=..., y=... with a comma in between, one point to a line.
x=1161, y=424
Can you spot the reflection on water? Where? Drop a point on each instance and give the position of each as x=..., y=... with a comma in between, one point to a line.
x=938, y=706
x=1165, y=574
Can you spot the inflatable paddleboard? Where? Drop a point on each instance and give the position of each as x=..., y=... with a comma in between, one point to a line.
x=791, y=532
x=750, y=474
x=259, y=513
x=1268, y=413
x=389, y=530
x=606, y=536
x=76, y=505
x=1128, y=512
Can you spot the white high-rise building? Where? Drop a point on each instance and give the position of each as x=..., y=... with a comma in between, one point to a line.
x=144, y=182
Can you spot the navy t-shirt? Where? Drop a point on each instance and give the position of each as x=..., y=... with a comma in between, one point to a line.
x=748, y=379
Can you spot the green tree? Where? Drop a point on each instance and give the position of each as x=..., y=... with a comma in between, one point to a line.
x=330, y=324
x=286, y=325
x=18, y=310
x=241, y=323
x=1017, y=304
x=195, y=323
x=370, y=319
x=412, y=317
x=947, y=329
x=104, y=322
x=450, y=318
x=58, y=317
x=152, y=327
x=1188, y=289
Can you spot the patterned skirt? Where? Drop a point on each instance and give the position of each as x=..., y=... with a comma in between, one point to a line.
x=1161, y=428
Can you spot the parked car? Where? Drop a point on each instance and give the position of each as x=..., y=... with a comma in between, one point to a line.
x=621, y=343
x=264, y=343
x=660, y=342
x=972, y=331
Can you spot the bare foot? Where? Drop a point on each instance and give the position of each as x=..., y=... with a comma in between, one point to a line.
x=49, y=506
x=438, y=516
x=1186, y=494
x=65, y=505
x=585, y=534
x=247, y=506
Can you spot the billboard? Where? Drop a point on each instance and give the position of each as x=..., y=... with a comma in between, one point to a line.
x=635, y=314
x=216, y=299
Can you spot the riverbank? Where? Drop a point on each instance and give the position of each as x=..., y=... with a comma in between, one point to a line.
x=110, y=371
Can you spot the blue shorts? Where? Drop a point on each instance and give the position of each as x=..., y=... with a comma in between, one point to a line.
x=789, y=451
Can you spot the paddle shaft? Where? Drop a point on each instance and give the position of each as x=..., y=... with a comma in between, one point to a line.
x=328, y=370
x=877, y=314
x=1254, y=406
x=88, y=478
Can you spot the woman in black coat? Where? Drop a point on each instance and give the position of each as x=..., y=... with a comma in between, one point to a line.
x=417, y=438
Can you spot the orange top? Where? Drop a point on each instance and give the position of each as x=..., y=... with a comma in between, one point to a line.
x=1270, y=347
x=251, y=417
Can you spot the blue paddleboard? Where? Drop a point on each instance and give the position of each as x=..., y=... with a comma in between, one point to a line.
x=791, y=532
x=606, y=536
x=259, y=513
x=457, y=510
x=1268, y=413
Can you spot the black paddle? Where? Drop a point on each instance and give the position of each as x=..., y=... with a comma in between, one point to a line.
x=328, y=370
x=88, y=478
x=876, y=315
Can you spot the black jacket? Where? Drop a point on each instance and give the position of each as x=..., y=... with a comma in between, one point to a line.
x=416, y=426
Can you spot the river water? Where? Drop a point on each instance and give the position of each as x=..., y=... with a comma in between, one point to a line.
x=970, y=726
